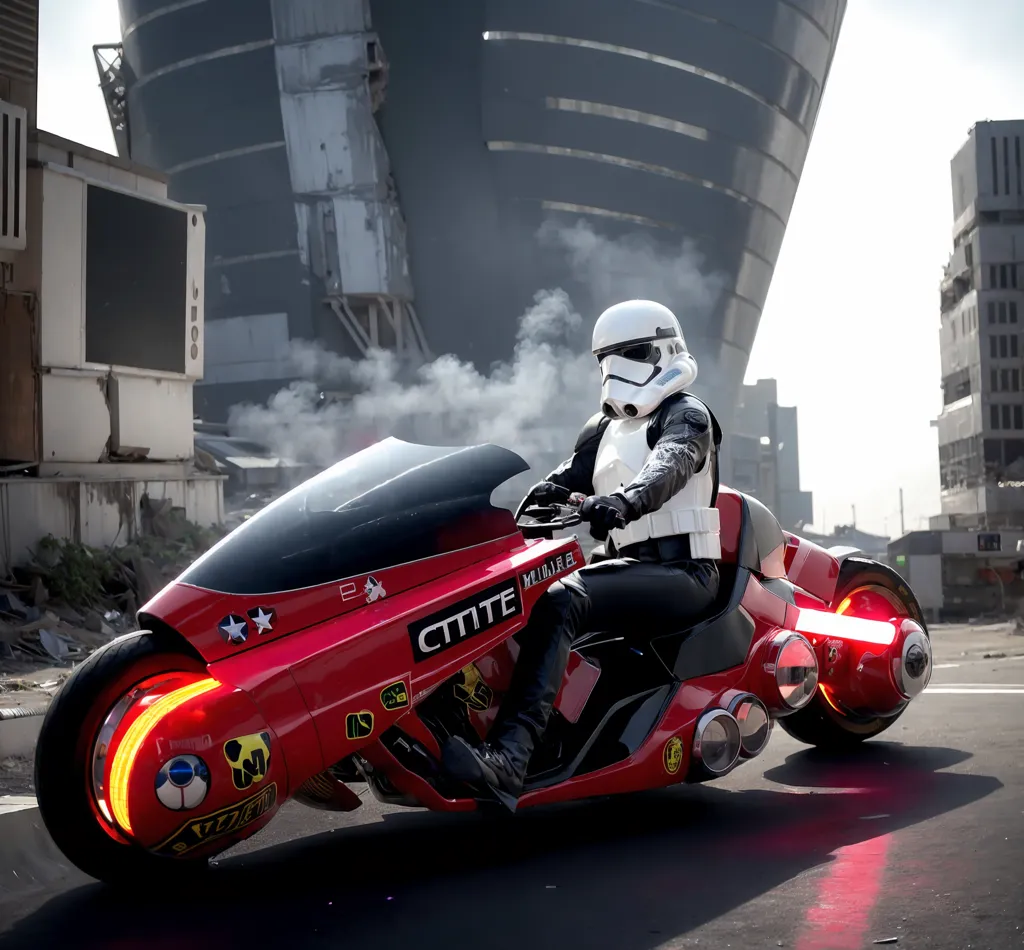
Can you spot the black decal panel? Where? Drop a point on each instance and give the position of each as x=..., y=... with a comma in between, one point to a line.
x=470, y=617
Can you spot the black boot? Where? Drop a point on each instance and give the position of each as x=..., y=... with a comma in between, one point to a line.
x=498, y=766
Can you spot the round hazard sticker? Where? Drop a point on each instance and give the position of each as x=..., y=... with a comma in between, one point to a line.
x=673, y=755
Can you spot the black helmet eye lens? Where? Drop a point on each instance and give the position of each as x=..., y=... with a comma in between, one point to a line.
x=637, y=352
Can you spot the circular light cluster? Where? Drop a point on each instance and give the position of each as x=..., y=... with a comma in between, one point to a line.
x=182, y=782
x=912, y=669
x=796, y=671
x=716, y=741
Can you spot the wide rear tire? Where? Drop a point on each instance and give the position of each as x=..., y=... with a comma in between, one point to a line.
x=818, y=724
x=64, y=789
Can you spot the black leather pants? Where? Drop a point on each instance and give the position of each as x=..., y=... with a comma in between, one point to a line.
x=619, y=594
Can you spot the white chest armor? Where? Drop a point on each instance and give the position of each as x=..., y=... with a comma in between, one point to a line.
x=620, y=457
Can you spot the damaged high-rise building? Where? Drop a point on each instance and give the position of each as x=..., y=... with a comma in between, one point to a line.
x=376, y=171
x=981, y=426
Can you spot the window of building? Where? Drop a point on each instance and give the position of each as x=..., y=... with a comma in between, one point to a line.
x=1016, y=156
x=994, y=381
x=993, y=346
x=1018, y=417
x=991, y=311
x=995, y=167
x=994, y=416
x=1013, y=276
x=956, y=386
x=1002, y=311
x=1004, y=380
x=993, y=273
x=1013, y=450
x=1004, y=347
x=1006, y=417
x=1015, y=380
x=1003, y=280
x=1013, y=345
x=1013, y=311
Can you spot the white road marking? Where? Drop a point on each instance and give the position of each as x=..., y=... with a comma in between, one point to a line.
x=957, y=690
x=798, y=790
x=945, y=666
x=980, y=685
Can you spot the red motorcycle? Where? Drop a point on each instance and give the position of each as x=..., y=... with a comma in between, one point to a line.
x=344, y=632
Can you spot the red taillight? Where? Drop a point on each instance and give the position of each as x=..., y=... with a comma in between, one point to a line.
x=856, y=629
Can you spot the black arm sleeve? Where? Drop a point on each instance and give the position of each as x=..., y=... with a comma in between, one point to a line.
x=577, y=473
x=684, y=444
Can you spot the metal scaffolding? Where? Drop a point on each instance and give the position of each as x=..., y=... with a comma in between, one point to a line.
x=377, y=322
x=109, y=59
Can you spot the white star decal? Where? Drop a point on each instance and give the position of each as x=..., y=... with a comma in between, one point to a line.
x=264, y=620
x=234, y=628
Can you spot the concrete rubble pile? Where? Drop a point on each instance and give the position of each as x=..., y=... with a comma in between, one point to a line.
x=68, y=599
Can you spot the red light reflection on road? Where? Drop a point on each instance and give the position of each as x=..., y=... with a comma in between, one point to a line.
x=847, y=893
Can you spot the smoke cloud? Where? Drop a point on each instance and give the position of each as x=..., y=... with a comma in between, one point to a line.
x=534, y=404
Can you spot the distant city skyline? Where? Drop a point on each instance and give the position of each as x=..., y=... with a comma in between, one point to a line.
x=850, y=329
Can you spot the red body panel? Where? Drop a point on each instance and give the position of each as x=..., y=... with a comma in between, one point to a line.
x=730, y=511
x=811, y=567
x=195, y=613
x=201, y=727
x=335, y=672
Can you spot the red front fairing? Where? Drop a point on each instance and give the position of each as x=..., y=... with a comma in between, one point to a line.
x=326, y=660
x=195, y=613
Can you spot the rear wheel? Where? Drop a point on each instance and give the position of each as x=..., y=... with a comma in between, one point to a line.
x=64, y=757
x=865, y=589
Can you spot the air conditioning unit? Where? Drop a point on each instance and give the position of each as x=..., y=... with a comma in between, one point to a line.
x=13, y=164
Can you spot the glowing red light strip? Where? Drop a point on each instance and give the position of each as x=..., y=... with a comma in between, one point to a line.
x=843, y=627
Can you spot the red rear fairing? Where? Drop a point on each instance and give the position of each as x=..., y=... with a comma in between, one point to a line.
x=811, y=567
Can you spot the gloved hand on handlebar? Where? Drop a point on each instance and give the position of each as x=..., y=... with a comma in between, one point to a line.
x=547, y=493
x=605, y=512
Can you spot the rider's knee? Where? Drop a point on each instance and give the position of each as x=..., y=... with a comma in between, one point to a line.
x=565, y=596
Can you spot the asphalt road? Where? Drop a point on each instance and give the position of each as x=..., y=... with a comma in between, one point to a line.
x=916, y=841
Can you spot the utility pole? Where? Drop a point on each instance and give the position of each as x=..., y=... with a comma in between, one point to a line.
x=853, y=509
x=902, y=531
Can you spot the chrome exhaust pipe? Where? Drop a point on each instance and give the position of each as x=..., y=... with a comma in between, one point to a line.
x=755, y=724
x=716, y=745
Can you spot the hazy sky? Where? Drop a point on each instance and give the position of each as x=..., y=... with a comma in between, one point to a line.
x=850, y=329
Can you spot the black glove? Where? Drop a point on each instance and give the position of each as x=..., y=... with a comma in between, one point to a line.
x=605, y=512
x=546, y=493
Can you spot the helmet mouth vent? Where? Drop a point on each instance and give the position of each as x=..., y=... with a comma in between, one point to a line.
x=630, y=410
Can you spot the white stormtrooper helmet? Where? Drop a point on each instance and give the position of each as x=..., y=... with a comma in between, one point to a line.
x=643, y=357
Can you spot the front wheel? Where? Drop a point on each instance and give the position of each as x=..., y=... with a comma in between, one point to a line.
x=865, y=588
x=64, y=759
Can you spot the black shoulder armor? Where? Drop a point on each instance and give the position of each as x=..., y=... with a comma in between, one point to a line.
x=593, y=430
x=685, y=417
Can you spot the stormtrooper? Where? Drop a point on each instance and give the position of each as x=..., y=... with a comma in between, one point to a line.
x=648, y=464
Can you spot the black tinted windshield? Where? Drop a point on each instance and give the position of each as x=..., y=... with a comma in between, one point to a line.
x=390, y=504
